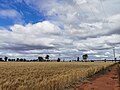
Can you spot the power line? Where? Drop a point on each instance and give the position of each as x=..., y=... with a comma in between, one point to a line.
x=104, y=13
x=114, y=53
x=79, y=8
x=91, y=10
x=102, y=6
x=82, y=13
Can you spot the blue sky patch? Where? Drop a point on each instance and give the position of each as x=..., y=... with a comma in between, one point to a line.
x=27, y=13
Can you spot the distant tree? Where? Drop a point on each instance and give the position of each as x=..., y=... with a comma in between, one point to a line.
x=17, y=59
x=47, y=57
x=40, y=59
x=9, y=59
x=1, y=59
x=85, y=56
x=70, y=61
x=78, y=59
x=13, y=59
x=58, y=60
x=115, y=59
x=92, y=60
x=21, y=59
x=6, y=58
x=105, y=60
x=24, y=59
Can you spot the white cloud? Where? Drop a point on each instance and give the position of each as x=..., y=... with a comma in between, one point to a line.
x=79, y=2
x=98, y=56
x=38, y=28
x=9, y=13
x=85, y=29
x=99, y=43
x=39, y=35
x=90, y=52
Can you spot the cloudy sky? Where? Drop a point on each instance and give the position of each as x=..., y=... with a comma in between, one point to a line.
x=60, y=28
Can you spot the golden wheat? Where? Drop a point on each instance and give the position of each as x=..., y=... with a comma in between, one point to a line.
x=45, y=75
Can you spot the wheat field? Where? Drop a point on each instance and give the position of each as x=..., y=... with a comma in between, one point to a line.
x=45, y=75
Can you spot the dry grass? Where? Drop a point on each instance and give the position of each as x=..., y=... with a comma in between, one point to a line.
x=45, y=75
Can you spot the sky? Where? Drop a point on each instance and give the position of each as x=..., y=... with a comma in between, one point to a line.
x=61, y=28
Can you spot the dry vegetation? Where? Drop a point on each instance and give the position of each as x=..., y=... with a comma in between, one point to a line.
x=45, y=75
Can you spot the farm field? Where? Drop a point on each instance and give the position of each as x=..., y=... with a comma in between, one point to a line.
x=46, y=75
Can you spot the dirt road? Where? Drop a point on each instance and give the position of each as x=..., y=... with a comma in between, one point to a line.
x=106, y=81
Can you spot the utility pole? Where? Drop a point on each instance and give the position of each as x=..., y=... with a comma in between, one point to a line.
x=114, y=53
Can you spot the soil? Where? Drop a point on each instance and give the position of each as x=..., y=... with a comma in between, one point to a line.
x=106, y=81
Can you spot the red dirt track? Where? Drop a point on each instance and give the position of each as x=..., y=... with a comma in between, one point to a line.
x=107, y=81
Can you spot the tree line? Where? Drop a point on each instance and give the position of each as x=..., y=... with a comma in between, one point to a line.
x=40, y=59
x=47, y=59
